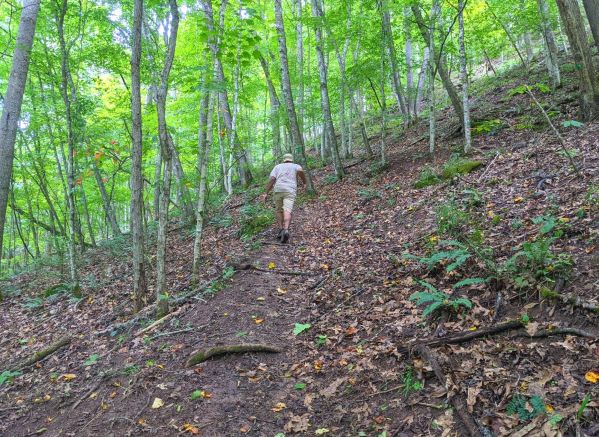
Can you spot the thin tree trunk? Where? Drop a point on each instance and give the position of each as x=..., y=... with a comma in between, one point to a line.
x=140, y=292
x=431, y=78
x=551, y=60
x=204, y=145
x=110, y=216
x=166, y=149
x=275, y=105
x=391, y=55
x=464, y=77
x=299, y=35
x=424, y=68
x=324, y=93
x=410, y=91
x=296, y=134
x=87, y=216
x=13, y=99
x=69, y=98
x=438, y=63
x=577, y=36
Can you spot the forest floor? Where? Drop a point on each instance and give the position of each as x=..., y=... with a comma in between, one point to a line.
x=355, y=364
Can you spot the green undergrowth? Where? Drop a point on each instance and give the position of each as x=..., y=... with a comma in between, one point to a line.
x=455, y=166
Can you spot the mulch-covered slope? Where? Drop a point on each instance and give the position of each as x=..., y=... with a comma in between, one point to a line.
x=358, y=369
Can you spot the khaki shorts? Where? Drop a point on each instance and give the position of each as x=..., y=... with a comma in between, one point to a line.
x=284, y=201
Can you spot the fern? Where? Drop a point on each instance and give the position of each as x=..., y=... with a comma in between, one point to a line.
x=436, y=300
x=518, y=405
x=469, y=281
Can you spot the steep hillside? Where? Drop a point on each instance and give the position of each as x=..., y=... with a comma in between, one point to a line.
x=504, y=240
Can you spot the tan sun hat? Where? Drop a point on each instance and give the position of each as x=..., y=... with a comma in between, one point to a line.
x=287, y=157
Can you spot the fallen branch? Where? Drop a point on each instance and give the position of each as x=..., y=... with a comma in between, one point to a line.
x=488, y=167
x=457, y=400
x=40, y=355
x=283, y=272
x=165, y=334
x=469, y=335
x=580, y=303
x=557, y=331
x=156, y=323
x=354, y=164
x=201, y=356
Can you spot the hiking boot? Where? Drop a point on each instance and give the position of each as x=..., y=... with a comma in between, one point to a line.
x=285, y=236
x=280, y=234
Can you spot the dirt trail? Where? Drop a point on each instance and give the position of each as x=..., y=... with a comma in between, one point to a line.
x=240, y=390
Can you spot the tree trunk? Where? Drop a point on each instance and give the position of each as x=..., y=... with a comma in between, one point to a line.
x=12, y=103
x=410, y=91
x=297, y=137
x=551, y=50
x=464, y=77
x=577, y=36
x=166, y=149
x=275, y=105
x=324, y=92
x=391, y=55
x=591, y=8
x=110, y=216
x=424, y=68
x=431, y=78
x=69, y=98
x=299, y=35
x=438, y=63
x=214, y=43
x=204, y=145
x=140, y=291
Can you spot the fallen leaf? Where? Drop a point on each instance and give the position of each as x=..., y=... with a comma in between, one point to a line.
x=351, y=330
x=322, y=431
x=379, y=419
x=272, y=265
x=244, y=429
x=592, y=376
x=141, y=421
x=260, y=299
x=188, y=427
x=518, y=199
x=279, y=407
x=69, y=376
x=332, y=388
x=298, y=423
x=281, y=290
x=259, y=321
x=157, y=403
x=532, y=328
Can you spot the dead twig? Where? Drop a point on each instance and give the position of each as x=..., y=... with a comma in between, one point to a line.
x=283, y=272
x=557, y=331
x=488, y=167
x=40, y=355
x=457, y=400
x=166, y=334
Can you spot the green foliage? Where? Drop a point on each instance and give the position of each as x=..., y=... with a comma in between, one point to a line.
x=473, y=197
x=521, y=89
x=427, y=178
x=93, y=359
x=118, y=247
x=456, y=166
x=255, y=218
x=32, y=303
x=368, y=194
x=221, y=220
x=301, y=327
x=572, y=123
x=330, y=179
x=130, y=370
x=451, y=219
x=453, y=258
x=487, y=127
x=7, y=376
x=410, y=382
x=526, y=408
x=437, y=300
x=583, y=406
x=196, y=394
x=320, y=340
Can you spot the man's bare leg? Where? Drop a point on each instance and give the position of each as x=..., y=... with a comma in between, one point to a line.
x=280, y=219
x=286, y=220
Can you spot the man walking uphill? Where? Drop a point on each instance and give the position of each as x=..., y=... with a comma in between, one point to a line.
x=284, y=180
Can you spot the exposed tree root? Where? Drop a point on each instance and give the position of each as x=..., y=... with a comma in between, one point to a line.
x=201, y=356
x=456, y=400
x=580, y=303
x=557, y=331
x=283, y=272
x=156, y=323
x=40, y=355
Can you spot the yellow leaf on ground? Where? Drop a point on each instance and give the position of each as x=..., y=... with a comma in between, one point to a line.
x=69, y=376
x=260, y=299
x=281, y=291
x=188, y=427
x=519, y=199
x=157, y=403
x=206, y=394
x=259, y=321
x=592, y=376
x=272, y=265
x=141, y=421
x=279, y=407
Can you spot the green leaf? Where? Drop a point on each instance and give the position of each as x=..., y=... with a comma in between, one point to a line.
x=299, y=386
x=432, y=308
x=469, y=281
x=196, y=394
x=301, y=327
x=8, y=376
x=572, y=123
x=93, y=359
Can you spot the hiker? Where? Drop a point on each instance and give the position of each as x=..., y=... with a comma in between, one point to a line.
x=284, y=180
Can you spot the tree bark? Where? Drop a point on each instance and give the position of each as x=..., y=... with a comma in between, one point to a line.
x=551, y=50
x=296, y=134
x=591, y=8
x=438, y=64
x=166, y=149
x=464, y=77
x=324, y=92
x=275, y=105
x=110, y=216
x=140, y=291
x=577, y=36
x=12, y=102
